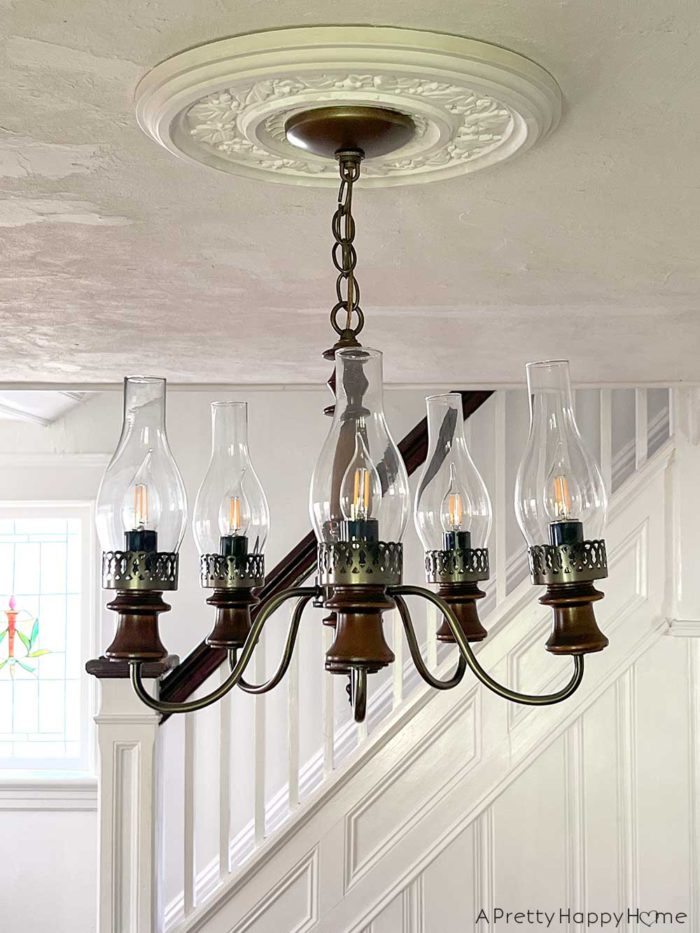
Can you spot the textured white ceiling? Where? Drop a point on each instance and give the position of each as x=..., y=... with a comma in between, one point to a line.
x=117, y=257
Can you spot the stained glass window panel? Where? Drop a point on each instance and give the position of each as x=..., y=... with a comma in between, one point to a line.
x=44, y=621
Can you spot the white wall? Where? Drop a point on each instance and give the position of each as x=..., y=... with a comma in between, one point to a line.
x=49, y=871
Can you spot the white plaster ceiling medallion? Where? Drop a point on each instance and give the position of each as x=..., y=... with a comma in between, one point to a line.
x=225, y=104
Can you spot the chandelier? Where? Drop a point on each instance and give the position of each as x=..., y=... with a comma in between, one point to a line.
x=359, y=501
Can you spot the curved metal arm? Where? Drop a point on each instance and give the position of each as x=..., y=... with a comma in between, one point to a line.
x=189, y=706
x=358, y=693
x=414, y=648
x=527, y=699
x=286, y=655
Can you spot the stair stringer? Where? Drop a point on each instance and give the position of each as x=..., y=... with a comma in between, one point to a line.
x=441, y=760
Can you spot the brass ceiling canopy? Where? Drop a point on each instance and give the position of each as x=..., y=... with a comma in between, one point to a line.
x=374, y=131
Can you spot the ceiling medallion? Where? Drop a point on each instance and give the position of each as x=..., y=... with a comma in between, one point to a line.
x=227, y=104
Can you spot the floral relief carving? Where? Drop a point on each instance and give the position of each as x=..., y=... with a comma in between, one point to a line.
x=481, y=122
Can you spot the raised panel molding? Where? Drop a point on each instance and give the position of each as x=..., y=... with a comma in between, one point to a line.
x=413, y=913
x=484, y=862
x=576, y=886
x=125, y=874
x=428, y=766
x=694, y=777
x=628, y=870
x=128, y=816
x=303, y=878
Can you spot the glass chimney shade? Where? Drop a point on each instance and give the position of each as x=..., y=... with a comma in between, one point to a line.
x=142, y=504
x=359, y=488
x=452, y=507
x=231, y=515
x=560, y=496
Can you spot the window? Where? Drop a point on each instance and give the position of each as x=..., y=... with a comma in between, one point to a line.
x=46, y=613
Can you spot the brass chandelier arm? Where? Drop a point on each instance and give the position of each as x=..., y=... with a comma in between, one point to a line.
x=414, y=648
x=191, y=706
x=546, y=699
x=286, y=654
x=358, y=693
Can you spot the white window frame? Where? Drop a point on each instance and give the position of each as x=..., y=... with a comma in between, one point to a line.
x=80, y=771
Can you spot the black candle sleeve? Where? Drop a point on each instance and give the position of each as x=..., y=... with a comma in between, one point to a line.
x=359, y=530
x=233, y=545
x=454, y=540
x=141, y=539
x=565, y=533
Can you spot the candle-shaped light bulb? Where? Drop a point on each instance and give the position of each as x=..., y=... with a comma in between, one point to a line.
x=141, y=505
x=360, y=494
x=141, y=509
x=234, y=514
x=234, y=520
x=455, y=514
x=360, y=506
x=452, y=511
x=562, y=504
x=562, y=497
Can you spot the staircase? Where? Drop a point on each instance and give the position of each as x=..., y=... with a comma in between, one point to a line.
x=445, y=807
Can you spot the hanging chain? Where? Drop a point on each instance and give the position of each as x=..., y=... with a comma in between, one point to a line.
x=344, y=256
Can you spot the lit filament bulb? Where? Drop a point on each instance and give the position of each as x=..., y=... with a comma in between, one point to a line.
x=360, y=506
x=454, y=513
x=140, y=506
x=141, y=509
x=234, y=515
x=563, y=507
x=361, y=492
x=234, y=521
x=562, y=498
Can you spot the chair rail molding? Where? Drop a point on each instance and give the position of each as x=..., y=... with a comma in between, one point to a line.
x=41, y=793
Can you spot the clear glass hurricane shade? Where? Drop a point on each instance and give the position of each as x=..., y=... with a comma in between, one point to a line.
x=142, y=489
x=359, y=440
x=558, y=479
x=451, y=494
x=231, y=500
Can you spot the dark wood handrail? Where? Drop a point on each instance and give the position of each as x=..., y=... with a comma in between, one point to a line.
x=296, y=566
